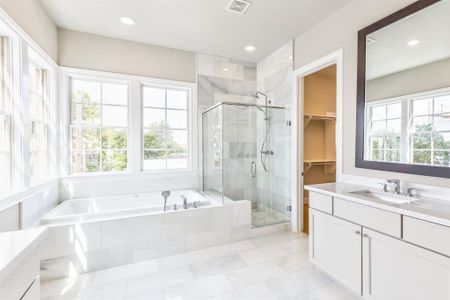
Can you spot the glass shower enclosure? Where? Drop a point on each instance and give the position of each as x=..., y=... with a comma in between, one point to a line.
x=246, y=156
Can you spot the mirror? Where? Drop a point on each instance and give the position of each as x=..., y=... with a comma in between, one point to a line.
x=403, y=109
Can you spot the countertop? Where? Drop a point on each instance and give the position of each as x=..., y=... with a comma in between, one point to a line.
x=428, y=209
x=15, y=246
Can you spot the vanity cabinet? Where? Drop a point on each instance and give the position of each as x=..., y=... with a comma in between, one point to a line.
x=377, y=253
x=393, y=269
x=336, y=248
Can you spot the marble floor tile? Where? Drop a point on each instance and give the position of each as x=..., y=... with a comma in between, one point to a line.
x=294, y=262
x=217, y=266
x=182, y=259
x=203, y=288
x=254, y=274
x=66, y=285
x=111, y=291
x=125, y=272
x=297, y=245
x=329, y=292
x=275, y=239
x=229, y=249
x=297, y=283
x=160, y=280
x=258, y=291
x=263, y=254
x=146, y=295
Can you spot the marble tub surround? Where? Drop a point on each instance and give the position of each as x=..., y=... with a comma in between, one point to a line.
x=89, y=246
x=428, y=209
x=269, y=267
x=15, y=246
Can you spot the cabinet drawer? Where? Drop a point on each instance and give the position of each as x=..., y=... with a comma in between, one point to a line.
x=321, y=202
x=370, y=217
x=426, y=234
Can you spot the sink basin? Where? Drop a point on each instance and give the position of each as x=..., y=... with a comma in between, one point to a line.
x=398, y=199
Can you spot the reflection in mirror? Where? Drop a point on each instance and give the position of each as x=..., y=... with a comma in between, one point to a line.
x=407, y=111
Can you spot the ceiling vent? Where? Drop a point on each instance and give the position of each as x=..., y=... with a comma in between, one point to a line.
x=238, y=6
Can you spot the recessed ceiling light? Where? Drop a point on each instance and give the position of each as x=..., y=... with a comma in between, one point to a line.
x=412, y=43
x=225, y=69
x=250, y=48
x=127, y=21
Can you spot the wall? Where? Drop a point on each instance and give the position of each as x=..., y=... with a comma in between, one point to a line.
x=31, y=16
x=424, y=78
x=339, y=31
x=94, y=52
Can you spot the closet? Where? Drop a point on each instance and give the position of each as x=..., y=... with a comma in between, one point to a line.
x=319, y=132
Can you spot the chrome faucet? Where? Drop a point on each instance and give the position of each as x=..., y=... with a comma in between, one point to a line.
x=166, y=195
x=396, y=182
x=185, y=204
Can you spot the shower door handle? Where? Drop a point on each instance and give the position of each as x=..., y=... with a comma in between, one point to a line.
x=253, y=169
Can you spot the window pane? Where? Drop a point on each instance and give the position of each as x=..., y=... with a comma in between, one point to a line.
x=177, y=160
x=441, y=158
x=154, y=159
x=378, y=127
x=154, y=118
x=4, y=175
x=422, y=124
x=36, y=80
x=377, y=155
x=87, y=139
x=4, y=133
x=379, y=112
x=421, y=141
x=114, y=116
x=113, y=93
x=85, y=114
x=422, y=157
x=38, y=138
x=377, y=142
x=442, y=104
x=176, y=119
x=113, y=160
x=178, y=138
x=422, y=107
x=153, y=139
x=85, y=91
x=442, y=123
x=154, y=97
x=441, y=140
x=394, y=111
x=113, y=138
x=393, y=142
x=36, y=108
x=85, y=162
x=393, y=155
x=394, y=126
x=177, y=99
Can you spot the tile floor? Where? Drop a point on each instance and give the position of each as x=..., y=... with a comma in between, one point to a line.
x=264, y=268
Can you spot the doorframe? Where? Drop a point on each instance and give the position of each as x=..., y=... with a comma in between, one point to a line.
x=334, y=58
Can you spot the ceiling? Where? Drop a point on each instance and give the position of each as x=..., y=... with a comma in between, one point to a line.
x=390, y=52
x=196, y=25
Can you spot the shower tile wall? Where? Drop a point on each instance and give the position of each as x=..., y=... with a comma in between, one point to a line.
x=275, y=74
x=222, y=79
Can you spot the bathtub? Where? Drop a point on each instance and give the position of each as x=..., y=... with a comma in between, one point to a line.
x=107, y=207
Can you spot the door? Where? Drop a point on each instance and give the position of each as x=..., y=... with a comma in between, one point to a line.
x=335, y=247
x=394, y=269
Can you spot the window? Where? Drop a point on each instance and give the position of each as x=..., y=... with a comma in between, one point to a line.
x=430, y=130
x=165, y=128
x=99, y=125
x=39, y=121
x=5, y=115
x=385, y=129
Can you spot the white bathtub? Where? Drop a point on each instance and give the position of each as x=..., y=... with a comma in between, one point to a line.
x=122, y=205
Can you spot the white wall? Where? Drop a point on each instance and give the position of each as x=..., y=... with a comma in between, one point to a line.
x=339, y=31
x=95, y=52
x=31, y=16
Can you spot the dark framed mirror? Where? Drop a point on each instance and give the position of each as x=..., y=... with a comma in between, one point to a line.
x=403, y=91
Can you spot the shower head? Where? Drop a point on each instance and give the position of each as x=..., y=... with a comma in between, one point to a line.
x=258, y=94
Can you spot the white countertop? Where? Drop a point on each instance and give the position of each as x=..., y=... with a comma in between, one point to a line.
x=428, y=209
x=15, y=246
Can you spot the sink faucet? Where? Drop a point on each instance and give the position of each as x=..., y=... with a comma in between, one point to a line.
x=185, y=204
x=166, y=195
x=396, y=182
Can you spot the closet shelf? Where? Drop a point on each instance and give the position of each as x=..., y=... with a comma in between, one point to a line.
x=310, y=117
x=329, y=164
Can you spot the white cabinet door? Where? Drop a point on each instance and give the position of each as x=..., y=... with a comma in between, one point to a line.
x=335, y=247
x=393, y=269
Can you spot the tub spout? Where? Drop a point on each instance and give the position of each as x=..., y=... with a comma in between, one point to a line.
x=166, y=195
x=185, y=204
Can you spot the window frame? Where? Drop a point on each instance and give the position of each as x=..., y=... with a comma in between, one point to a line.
x=189, y=125
x=100, y=125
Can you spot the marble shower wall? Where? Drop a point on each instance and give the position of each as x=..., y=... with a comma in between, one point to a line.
x=274, y=78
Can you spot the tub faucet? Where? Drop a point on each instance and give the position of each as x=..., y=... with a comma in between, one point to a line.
x=396, y=183
x=185, y=204
x=166, y=195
